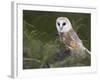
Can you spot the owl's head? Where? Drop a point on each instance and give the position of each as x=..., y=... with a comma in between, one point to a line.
x=63, y=24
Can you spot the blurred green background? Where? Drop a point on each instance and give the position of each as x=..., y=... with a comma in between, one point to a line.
x=41, y=45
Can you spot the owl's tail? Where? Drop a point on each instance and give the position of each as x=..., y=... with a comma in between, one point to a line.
x=87, y=50
x=84, y=48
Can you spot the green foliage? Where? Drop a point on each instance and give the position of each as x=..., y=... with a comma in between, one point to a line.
x=41, y=45
x=73, y=61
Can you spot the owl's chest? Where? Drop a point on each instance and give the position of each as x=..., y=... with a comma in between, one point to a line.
x=67, y=40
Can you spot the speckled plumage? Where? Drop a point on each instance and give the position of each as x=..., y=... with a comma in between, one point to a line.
x=68, y=36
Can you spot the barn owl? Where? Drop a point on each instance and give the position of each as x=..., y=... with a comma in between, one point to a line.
x=69, y=37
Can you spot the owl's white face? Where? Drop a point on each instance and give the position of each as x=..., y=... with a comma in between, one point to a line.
x=63, y=24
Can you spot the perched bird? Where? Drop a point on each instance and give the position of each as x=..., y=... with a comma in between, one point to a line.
x=69, y=37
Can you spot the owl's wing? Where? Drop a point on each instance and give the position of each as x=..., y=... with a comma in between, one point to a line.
x=74, y=36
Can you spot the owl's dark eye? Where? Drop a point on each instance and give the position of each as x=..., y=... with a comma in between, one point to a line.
x=58, y=24
x=64, y=24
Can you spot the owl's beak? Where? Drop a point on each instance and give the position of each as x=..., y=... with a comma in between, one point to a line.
x=61, y=28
